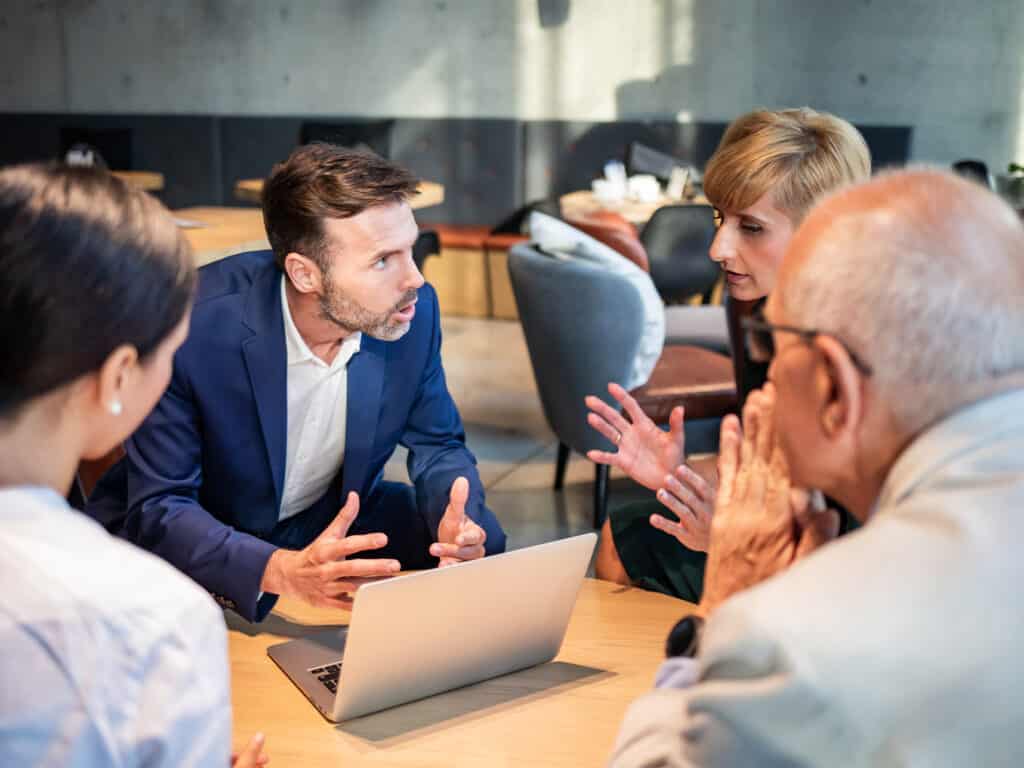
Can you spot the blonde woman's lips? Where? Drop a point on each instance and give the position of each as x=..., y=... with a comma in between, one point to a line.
x=735, y=277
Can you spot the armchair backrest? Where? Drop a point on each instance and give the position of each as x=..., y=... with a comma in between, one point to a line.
x=678, y=243
x=582, y=325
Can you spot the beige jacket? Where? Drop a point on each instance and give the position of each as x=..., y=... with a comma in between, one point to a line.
x=901, y=644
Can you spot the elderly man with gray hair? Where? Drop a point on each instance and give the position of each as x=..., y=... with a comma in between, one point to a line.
x=896, y=334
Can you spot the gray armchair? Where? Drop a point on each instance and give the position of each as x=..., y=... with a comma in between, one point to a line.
x=582, y=325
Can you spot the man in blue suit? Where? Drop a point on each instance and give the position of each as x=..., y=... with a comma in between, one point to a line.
x=304, y=368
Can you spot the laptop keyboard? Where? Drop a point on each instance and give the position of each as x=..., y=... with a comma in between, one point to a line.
x=328, y=675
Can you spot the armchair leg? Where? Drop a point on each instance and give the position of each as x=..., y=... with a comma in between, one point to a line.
x=600, y=495
x=563, y=461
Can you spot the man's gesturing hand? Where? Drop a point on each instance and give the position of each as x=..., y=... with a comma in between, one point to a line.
x=761, y=523
x=320, y=574
x=458, y=537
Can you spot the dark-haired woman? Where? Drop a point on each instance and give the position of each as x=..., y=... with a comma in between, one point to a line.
x=110, y=656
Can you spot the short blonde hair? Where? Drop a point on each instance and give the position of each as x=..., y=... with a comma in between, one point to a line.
x=797, y=155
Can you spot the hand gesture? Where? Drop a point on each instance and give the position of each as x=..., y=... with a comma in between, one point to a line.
x=458, y=537
x=320, y=574
x=645, y=452
x=692, y=500
x=761, y=524
x=252, y=756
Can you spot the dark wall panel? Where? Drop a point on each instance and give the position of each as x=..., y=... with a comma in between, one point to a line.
x=565, y=156
x=488, y=167
x=250, y=146
x=182, y=148
x=478, y=161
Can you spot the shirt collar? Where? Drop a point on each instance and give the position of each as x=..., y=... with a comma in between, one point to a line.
x=46, y=498
x=299, y=351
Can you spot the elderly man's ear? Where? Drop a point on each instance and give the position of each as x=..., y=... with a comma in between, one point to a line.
x=838, y=390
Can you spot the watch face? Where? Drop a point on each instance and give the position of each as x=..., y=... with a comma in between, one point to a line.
x=684, y=637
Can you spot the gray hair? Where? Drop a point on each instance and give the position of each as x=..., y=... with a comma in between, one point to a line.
x=920, y=273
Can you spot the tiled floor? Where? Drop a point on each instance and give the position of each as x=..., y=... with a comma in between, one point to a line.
x=490, y=377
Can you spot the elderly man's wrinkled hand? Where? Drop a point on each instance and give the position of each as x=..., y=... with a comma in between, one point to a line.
x=761, y=524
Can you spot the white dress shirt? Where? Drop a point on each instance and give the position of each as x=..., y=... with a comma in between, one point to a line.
x=317, y=398
x=110, y=656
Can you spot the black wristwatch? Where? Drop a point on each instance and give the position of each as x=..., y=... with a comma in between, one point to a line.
x=684, y=639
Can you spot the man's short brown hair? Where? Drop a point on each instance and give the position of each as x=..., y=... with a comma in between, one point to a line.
x=320, y=181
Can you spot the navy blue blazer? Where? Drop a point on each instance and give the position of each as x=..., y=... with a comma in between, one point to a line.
x=202, y=480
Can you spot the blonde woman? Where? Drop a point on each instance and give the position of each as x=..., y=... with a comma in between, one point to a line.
x=768, y=171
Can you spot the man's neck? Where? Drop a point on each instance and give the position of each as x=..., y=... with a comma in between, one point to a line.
x=859, y=491
x=323, y=337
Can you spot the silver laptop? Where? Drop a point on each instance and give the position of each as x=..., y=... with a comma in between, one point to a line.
x=417, y=635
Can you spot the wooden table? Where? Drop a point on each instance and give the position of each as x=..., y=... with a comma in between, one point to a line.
x=431, y=193
x=577, y=205
x=151, y=181
x=225, y=231
x=565, y=713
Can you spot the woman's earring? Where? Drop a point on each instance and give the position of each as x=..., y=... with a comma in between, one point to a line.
x=116, y=408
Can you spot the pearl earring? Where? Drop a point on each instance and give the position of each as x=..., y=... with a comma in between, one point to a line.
x=116, y=408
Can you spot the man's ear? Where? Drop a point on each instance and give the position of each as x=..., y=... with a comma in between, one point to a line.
x=304, y=273
x=837, y=385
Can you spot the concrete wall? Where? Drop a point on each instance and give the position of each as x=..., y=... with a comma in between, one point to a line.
x=951, y=69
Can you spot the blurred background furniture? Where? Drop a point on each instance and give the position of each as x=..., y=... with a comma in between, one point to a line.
x=975, y=170
x=641, y=158
x=150, y=181
x=582, y=203
x=702, y=326
x=515, y=222
x=430, y=193
x=582, y=326
x=678, y=242
x=217, y=231
x=616, y=232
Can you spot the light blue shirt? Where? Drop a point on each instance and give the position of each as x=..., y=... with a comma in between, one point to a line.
x=108, y=656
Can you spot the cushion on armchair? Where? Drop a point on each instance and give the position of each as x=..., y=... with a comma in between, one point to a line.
x=554, y=236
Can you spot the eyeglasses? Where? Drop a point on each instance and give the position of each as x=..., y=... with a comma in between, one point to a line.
x=761, y=344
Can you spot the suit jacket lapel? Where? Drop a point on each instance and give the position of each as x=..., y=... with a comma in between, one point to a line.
x=267, y=362
x=365, y=385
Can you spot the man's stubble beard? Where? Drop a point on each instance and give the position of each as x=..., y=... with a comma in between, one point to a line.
x=353, y=317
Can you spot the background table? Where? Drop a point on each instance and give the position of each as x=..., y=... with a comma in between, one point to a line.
x=151, y=181
x=225, y=231
x=577, y=205
x=431, y=193
x=563, y=713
